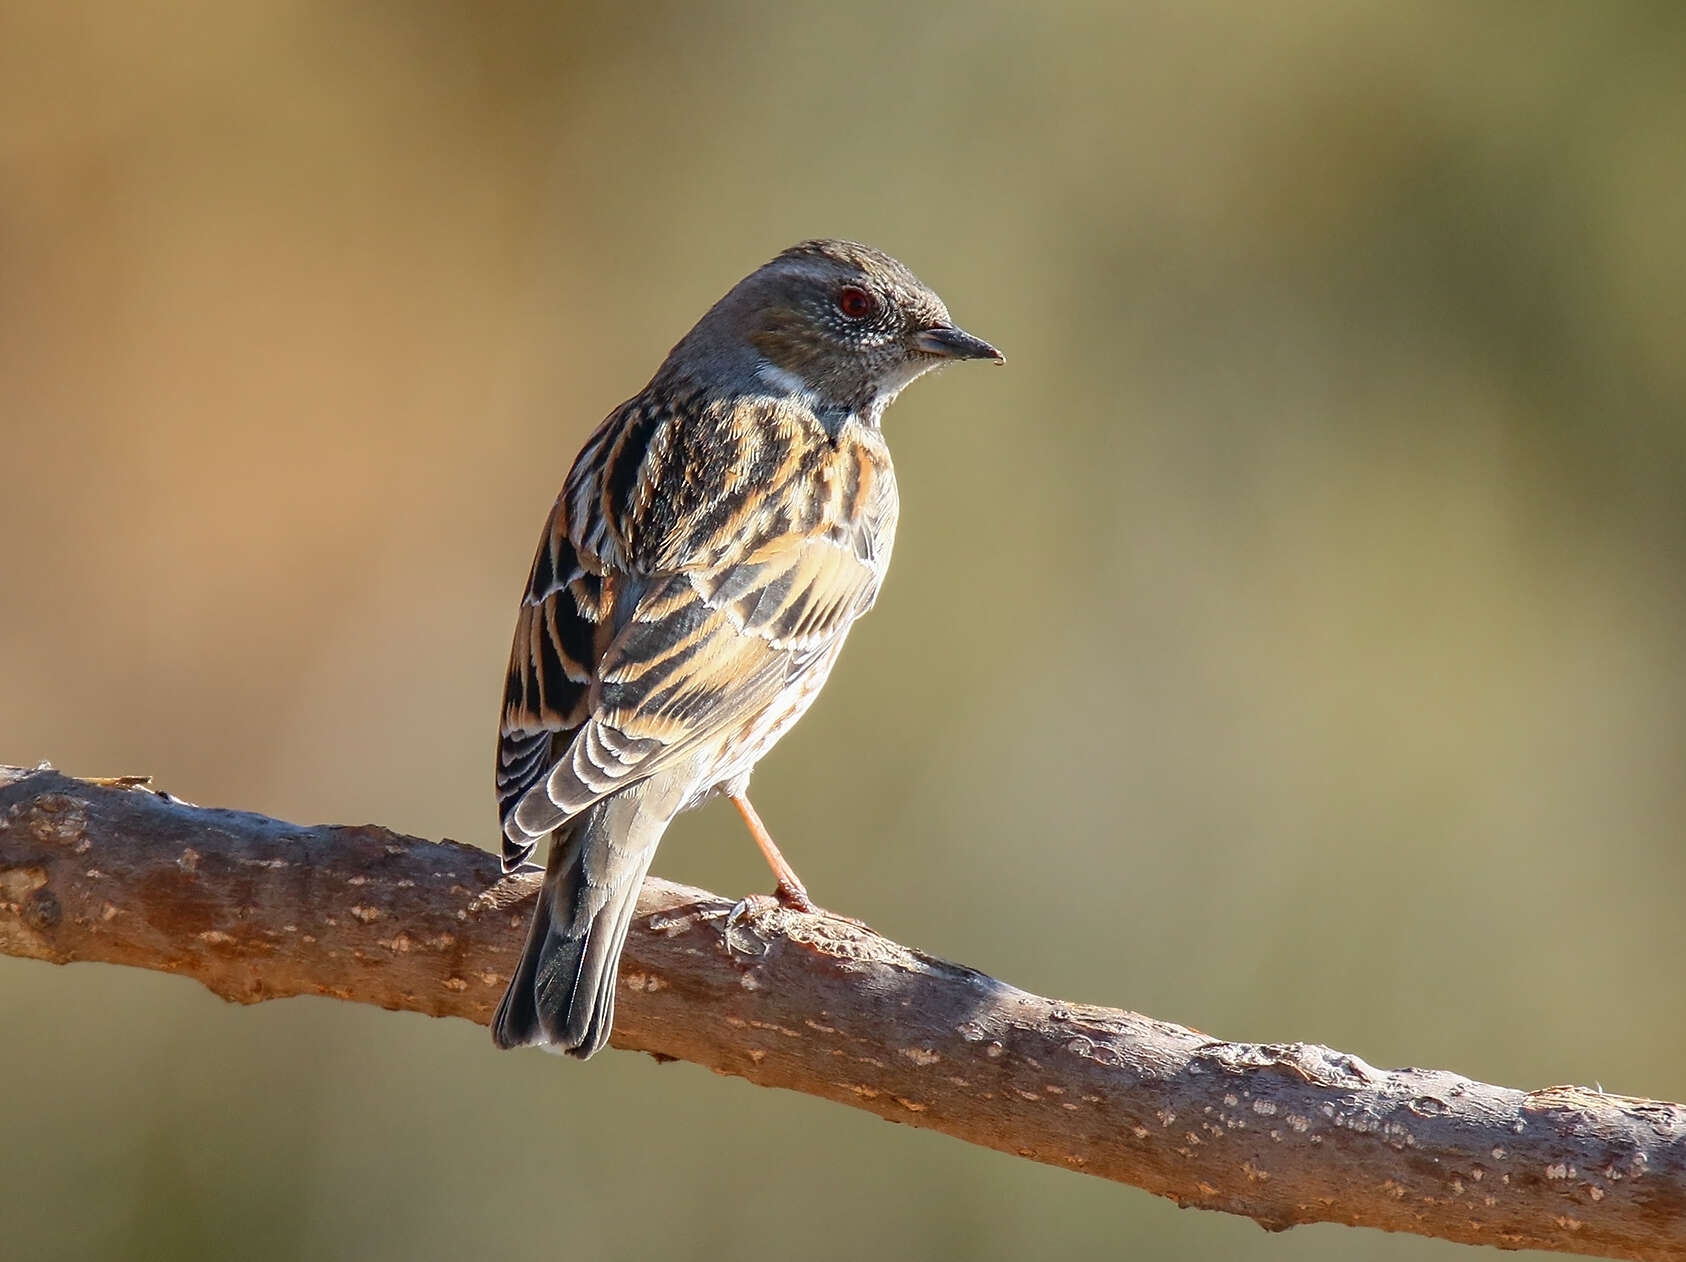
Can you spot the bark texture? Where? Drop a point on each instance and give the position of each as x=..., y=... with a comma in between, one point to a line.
x=257, y=909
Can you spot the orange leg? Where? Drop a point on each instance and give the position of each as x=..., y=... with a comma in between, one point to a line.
x=790, y=891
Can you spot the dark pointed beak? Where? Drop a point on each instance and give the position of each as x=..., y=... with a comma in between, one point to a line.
x=953, y=343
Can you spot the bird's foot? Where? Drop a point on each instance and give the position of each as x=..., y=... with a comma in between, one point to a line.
x=754, y=903
x=795, y=898
x=785, y=897
x=791, y=894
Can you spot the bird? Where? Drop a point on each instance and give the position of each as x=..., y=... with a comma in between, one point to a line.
x=714, y=541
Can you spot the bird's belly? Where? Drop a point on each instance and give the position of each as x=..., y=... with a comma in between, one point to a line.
x=750, y=743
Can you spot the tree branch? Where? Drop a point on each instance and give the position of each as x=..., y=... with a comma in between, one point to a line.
x=258, y=909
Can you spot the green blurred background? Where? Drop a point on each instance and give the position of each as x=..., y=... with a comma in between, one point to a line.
x=1290, y=641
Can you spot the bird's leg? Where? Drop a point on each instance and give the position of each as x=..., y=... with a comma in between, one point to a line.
x=789, y=891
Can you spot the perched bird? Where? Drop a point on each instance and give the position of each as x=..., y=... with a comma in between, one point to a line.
x=714, y=541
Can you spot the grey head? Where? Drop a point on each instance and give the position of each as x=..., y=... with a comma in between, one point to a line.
x=841, y=325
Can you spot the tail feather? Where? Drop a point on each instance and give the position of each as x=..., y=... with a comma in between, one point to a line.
x=606, y=944
x=562, y=995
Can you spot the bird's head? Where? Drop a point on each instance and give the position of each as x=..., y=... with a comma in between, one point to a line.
x=842, y=324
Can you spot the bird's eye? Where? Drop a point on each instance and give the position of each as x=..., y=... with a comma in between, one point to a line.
x=855, y=303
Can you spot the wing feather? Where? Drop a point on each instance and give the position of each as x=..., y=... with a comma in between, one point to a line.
x=624, y=663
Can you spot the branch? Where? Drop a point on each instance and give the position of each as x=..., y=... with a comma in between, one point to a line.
x=1285, y=1134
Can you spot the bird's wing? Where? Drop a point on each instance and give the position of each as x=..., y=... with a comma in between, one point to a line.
x=618, y=672
x=560, y=634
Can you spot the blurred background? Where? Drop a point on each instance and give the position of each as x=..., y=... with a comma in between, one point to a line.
x=1290, y=641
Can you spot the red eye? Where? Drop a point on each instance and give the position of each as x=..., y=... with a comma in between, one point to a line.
x=855, y=303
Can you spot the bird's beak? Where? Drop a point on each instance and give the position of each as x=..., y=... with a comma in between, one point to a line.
x=953, y=343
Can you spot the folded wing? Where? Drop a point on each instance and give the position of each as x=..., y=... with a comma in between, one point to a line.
x=615, y=674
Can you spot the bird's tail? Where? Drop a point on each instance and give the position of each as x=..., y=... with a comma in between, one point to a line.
x=562, y=995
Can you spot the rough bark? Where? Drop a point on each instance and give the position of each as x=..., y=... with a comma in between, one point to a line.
x=257, y=909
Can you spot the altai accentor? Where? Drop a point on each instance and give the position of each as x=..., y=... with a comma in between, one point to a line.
x=714, y=541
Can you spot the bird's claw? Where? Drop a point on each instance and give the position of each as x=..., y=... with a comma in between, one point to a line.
x=785, y=897
x=740, y=909
x=789, y=896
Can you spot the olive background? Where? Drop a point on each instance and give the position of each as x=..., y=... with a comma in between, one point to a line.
x=1290, y=640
